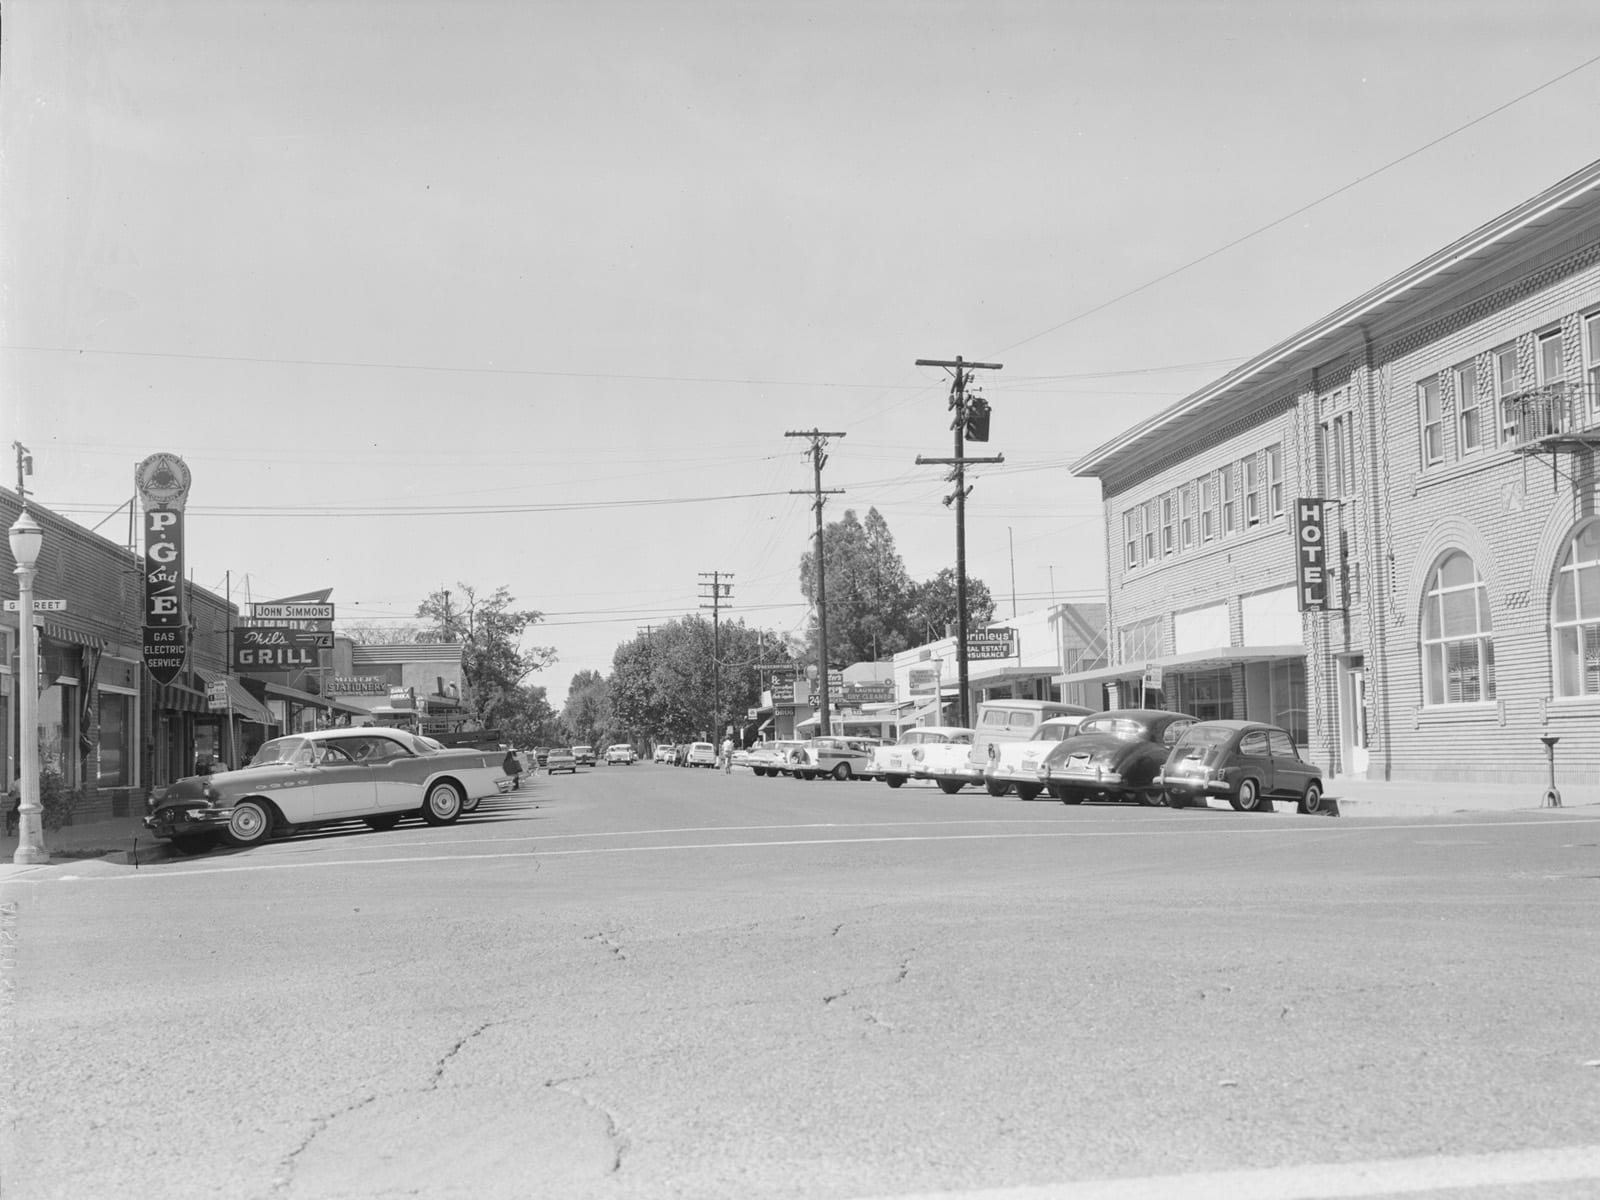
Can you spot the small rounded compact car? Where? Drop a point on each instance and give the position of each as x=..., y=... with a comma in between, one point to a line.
x=1247, y=763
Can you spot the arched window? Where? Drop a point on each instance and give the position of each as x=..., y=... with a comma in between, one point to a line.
x=1575, y=614
x=1457, y=635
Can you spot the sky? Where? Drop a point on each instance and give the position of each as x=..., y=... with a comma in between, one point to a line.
x=499, y=293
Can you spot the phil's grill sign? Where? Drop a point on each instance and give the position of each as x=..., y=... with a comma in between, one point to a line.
x=1311, y=556
x=163, y=484
x=276, y=649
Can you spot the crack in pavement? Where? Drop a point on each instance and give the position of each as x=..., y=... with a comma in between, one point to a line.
x=613, y=1133
x=286, y=1169
x=319, y=1125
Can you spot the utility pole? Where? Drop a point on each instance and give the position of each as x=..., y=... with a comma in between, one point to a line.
x=24, y=469
x=971, y=423
x=719, y=589
x=819, y=456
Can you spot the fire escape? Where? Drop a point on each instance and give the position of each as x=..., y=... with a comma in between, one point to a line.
x=1557, y=419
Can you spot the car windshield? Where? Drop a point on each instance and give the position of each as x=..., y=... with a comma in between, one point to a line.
x=1126, y=729
x=282, y=750
x=1204, y=735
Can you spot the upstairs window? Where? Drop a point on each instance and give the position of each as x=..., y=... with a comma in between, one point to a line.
x=1252, y=492
x=1430, y=415
x=1591, y=364
x=1469, y=418
x=1230, y=507
x=1168, y=526
x=1457, y=635
x=1275, y=481
x=1551, y=360
x=1504, y=361
x=1150, y=531
x=1208, y=508
x=1185, y=519
x=1130, y=539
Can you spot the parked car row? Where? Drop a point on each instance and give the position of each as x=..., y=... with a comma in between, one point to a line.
x=1148, y=756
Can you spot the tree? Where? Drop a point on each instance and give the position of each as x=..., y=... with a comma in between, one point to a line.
x=370, y=633
x=587, y=714
x=868, y=591
x=933, y=606
x=494, y=663
x=661, y=683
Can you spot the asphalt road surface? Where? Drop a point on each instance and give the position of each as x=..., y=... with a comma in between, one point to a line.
x=658, y=982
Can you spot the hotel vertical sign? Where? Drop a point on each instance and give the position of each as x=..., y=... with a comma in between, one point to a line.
x=1311, y=556
x=163, y=484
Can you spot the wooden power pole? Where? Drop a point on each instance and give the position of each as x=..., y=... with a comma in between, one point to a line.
x=819, y=456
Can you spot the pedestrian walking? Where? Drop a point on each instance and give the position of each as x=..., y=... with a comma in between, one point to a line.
x=727, y=756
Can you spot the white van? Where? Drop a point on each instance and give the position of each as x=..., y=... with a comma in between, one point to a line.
x=1013, y=721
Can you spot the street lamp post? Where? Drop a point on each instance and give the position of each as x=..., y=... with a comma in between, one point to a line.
x=27, y=539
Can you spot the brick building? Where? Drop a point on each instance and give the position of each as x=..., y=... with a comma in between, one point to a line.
x=1448, y=421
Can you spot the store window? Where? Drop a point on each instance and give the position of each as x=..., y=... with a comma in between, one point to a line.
x=1575, y=614
x=115, y=759
x=1457, y=635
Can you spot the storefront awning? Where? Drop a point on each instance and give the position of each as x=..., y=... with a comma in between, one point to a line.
x=1195, y=660
x=993, y=675
x=245, y=706
x=312, y=700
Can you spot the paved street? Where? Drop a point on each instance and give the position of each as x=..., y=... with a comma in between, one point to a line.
x=657, y=982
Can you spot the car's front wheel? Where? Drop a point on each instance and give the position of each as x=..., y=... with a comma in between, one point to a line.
x=250, y=824
x=996, y=787
x=442, y=805
x=1027, y=791
x=842, y=772
x=949, y=786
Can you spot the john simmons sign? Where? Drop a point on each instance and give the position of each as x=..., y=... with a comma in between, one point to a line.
x=163, y=483
x=275, y=649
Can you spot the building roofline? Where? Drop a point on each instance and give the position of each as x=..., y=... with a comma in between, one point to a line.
x=1415, y=279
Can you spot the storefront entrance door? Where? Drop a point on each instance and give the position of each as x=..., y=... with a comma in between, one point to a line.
x=1353, y=716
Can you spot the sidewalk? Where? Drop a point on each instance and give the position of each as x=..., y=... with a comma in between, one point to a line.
x=111, y=839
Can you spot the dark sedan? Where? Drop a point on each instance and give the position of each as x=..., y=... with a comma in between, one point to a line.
x=1115, y=755
x=1247, y=763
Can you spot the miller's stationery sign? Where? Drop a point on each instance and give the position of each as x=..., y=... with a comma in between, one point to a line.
x=1311, y=556
x=162, y=481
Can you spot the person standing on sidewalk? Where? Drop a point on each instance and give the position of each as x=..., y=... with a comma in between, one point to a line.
x=727, y=756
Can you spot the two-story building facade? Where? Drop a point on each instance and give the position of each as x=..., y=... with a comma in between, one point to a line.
x=1441, y=614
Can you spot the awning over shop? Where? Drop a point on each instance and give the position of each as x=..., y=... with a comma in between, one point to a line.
x=312, y=700
x=174, y=697
x=1196, y=660
x=245, y=706
x=990, y=676
x=66, y=633
x=811, y=722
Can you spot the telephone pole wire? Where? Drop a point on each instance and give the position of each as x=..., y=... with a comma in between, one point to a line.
x=971, y=423
x=819, y=456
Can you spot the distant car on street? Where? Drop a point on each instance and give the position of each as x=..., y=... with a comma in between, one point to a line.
x=620, y=753
x=773, y=758
x=559, y=760
x=376, y=775
x=700, y=754
x=664, y=753
x=583, y=755
x=840, y=757
x=1247, y=763
x=541, y=754
x=895, y=764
